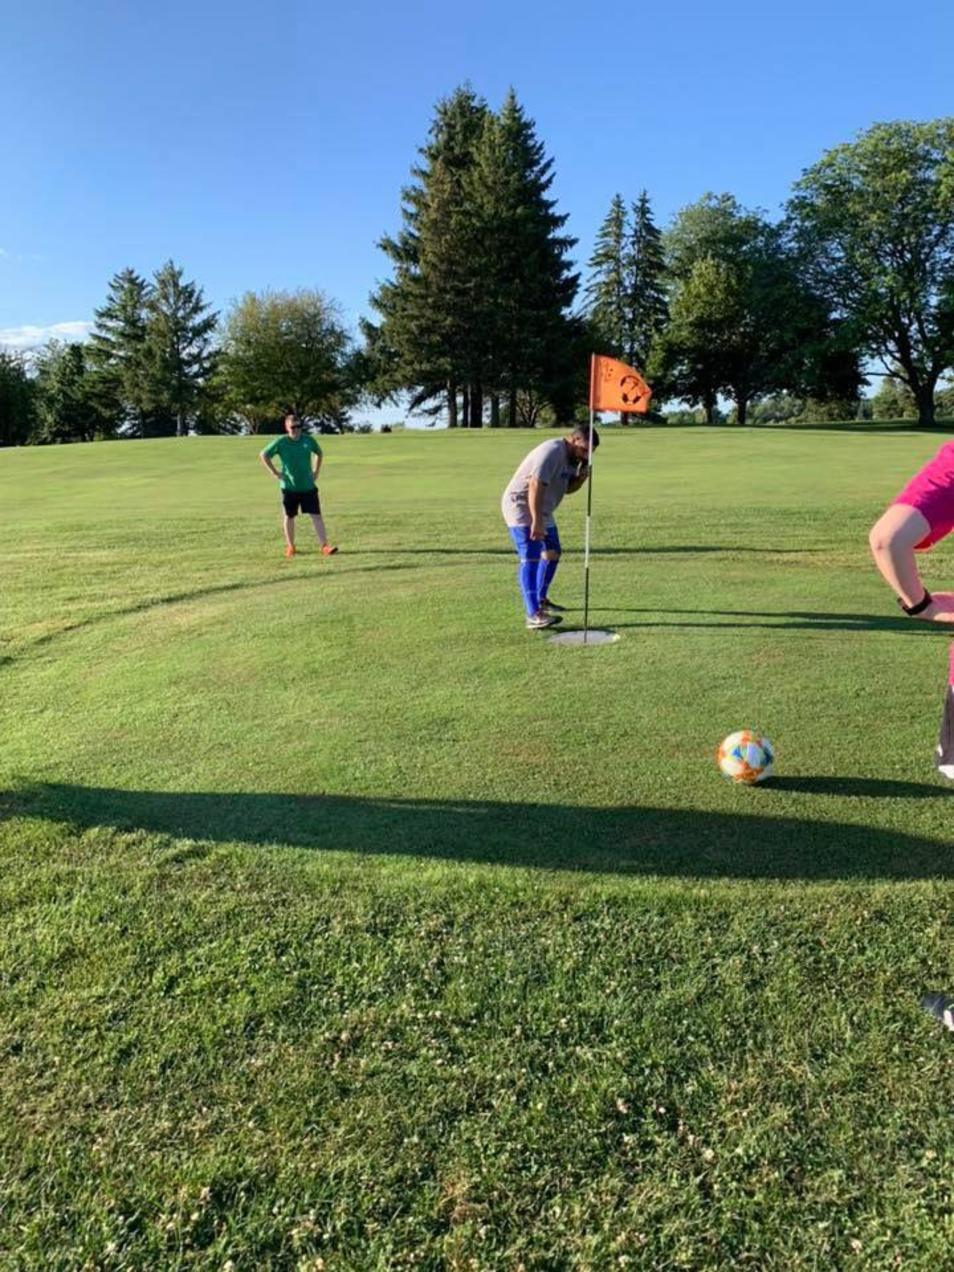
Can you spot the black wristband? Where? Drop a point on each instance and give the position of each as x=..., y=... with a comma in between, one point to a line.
x=922, y=604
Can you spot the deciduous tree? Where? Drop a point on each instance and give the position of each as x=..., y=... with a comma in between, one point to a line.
x=744, y=321
x=285, y=351
x=875, y=220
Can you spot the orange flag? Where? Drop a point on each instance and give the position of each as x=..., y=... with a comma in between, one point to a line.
x=616, y=387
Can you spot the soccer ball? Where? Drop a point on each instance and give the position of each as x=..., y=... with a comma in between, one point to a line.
x=746, y=757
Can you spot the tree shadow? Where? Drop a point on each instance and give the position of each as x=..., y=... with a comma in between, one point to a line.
x=748, y=844
x=195, y=594
x=289, y=578
x=807, y=620
x=687, y=549
x=880, y=428
x=871, y=427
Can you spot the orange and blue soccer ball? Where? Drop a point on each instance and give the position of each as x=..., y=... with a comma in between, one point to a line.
x=746, y=757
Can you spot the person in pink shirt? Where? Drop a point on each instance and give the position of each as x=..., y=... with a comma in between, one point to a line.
x=920, y=516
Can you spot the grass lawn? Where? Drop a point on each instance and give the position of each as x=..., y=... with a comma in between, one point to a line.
x=345, y=924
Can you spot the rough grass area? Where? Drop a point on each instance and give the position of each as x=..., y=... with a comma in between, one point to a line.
x=345, y=924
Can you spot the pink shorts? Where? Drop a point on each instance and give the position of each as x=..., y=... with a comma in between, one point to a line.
x=931, y=491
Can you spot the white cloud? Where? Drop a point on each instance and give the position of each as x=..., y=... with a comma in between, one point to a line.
x=20, y=257
x=29, y=337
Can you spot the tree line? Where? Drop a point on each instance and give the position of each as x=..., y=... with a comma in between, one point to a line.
x=483, y=319
x=160, y=363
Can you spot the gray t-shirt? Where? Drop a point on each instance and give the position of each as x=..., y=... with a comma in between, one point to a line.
x=553, y=467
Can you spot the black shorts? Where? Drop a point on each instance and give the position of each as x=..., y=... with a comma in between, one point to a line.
x=306, y=500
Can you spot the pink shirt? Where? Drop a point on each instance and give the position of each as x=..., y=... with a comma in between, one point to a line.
x=931, y=491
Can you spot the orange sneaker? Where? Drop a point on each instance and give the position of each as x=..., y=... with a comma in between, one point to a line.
x=328, y=550
x=289, y=550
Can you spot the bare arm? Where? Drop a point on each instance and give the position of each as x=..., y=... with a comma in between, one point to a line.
x=579, y=480
x=267, y=462
x=893, y=539
x=535, y=489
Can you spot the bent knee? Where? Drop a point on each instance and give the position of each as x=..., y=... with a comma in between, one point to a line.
x=879, y=537
x=551, y=554
x=900, y=529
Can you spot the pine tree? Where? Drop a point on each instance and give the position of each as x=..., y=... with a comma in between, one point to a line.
x=645, y=271
x=608, y=298
x=478, y=303
x=421, y=343
x=17, y=399
x=177, y=350
x=116, y=355
x=626, y=294
x=66, y=408
x=527, y=284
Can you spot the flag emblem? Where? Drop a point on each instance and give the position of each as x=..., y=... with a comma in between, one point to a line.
x=615, y=386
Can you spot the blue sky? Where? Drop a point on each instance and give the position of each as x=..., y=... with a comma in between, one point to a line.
x=265, y=145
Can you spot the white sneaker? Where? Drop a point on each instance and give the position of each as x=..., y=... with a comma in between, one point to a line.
x=536, y=622
x=941, y=1007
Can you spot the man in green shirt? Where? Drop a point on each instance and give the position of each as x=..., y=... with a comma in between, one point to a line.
x=299, y=480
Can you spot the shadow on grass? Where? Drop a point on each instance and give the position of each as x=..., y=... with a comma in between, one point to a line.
x=199, y=594
x=808, y=620
x=748, y=844
x=861, y=787
x=686, y=549
x=938, y=429
x=291, y=574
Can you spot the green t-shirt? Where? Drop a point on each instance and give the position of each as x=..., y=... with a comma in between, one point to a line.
x=295, y=455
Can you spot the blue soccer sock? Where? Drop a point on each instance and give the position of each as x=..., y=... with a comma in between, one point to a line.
x=528, y=574
x=546, y=571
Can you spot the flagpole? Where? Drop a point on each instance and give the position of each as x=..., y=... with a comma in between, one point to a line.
x=589, y=509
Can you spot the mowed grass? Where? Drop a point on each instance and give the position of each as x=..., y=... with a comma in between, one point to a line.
x=346, y=924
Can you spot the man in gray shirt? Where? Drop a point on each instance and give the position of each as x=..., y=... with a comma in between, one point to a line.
x=550, y=471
